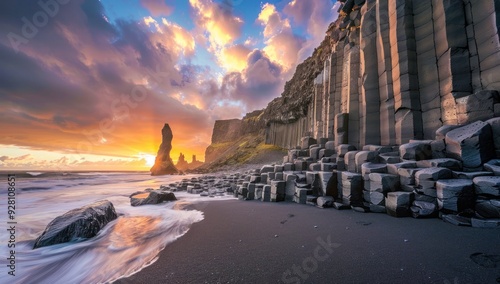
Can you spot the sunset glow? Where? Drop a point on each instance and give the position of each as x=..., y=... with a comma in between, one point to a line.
x=150, y=160
x=92, y=87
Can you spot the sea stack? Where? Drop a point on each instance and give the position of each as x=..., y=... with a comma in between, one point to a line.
x=163, y=163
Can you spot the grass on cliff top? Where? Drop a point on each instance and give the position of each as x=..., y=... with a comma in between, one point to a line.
x=254, y=118
x=249, y=149
x=262, y=147
x=260, y=154
x=220, y=145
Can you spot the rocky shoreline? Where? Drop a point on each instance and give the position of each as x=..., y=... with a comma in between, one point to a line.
x=455, y=177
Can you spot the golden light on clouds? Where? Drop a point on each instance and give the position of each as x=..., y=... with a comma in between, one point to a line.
x=267, y=11
x=279, y=49
x=221, y=26
x=182, y=38
x=282, y=46
x=150, y=21
x=272, y=21
x=171, y=36
x=234, y=58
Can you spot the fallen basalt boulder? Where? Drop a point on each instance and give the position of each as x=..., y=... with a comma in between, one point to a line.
x=151, y=197
x=77, y=224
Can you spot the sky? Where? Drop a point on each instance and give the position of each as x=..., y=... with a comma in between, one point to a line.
x=88, y=84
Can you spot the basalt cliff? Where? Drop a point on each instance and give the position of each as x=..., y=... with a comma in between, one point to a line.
x=387, y=72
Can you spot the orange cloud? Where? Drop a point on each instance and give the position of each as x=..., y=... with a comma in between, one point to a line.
x=100, y=88
x=234, y=58
x=171, y=36
x=272, y=21
x=69, y=164
x=221, y=26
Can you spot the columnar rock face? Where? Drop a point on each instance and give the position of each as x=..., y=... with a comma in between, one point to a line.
x=386, y=94
x=369, y=116
x=163, y=163
x=399, y=70
x=287, y=135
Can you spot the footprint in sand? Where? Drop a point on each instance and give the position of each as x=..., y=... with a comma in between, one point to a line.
x=289, y=216
x=363, y=223
x=485, y=260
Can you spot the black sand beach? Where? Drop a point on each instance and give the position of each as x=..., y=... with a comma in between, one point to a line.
x=257, y=242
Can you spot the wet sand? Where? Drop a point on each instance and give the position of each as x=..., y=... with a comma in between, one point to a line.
x=257, y=242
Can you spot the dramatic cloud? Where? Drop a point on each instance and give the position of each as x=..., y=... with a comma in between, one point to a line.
x=83, y=86
x=256, y=84
x=282, y=45
x=157, y=7
x=272, y=21
x=284, y=49
x=217, y=22
x=315, y=16
x=234, y=58
x=261, y=71
x=171, y=36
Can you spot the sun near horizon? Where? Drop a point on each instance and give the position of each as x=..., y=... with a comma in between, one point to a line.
x=150, y=160
x=93, y=157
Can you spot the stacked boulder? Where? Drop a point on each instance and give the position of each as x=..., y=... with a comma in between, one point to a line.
x=426, y=191
x=487, y=189
x=208, y=185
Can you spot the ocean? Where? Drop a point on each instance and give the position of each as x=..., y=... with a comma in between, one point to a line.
x=122, y=247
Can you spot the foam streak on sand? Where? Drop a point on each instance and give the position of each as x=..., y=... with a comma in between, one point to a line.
x=123, y=247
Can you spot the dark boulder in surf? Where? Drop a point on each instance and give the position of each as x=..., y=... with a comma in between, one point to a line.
x=77, y=224
x=151, y=197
